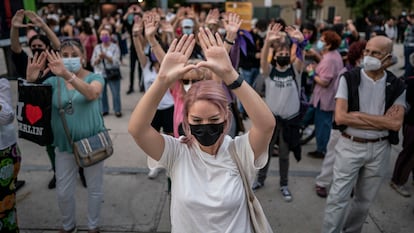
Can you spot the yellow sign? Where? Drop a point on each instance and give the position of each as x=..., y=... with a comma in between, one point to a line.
x=244, y=9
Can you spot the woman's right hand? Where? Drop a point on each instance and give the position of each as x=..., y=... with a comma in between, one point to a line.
x=35, y=67
x=17, y=20
x=173, y=67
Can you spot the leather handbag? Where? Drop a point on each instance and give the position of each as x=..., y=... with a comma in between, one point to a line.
x=91, y=150
x=257, y=216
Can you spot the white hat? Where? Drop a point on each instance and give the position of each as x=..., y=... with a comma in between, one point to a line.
x=187, y=23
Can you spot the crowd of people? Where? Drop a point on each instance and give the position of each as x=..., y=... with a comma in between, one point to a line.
x=201, y=75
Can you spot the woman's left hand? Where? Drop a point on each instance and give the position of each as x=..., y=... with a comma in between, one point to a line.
x=56, y=63
x=217, y=58
x=294, y=33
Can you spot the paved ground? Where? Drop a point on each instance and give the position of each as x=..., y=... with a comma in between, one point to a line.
x=133, y=203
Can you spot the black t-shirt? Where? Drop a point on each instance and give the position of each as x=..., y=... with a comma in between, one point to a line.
x=20, y=62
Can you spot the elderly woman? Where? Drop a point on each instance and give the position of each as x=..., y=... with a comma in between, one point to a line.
x=79, y=96
x=323, y=98
x=200, y=164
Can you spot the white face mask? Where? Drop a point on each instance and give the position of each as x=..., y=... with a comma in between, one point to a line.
x=187, y=87
x=262, y=34
x=73, y=64
x=371, y=63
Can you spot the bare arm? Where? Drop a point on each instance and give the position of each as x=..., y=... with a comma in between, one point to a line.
x=151, y=25
x=17, y=22
x=219, y=62
x=138, y=41
x=232, y=25
x=36, y=20
x=172, y=68
x=91, y=91
x=271, y=37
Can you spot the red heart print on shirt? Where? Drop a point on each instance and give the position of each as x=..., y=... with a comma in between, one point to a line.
x=33, y=113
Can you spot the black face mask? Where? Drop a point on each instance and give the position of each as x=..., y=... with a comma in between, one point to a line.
x=207, y=134
x=283, y=60
x=38, y=51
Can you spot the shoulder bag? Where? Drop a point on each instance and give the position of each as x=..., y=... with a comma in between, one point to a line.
x=257, y=216
x=91, y=150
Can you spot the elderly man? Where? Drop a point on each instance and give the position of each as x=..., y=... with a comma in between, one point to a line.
x=369, y=109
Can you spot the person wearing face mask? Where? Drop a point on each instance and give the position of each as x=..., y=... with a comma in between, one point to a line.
x=199, y=163
x=79, y=91
x=38, y=44
x=107, y=55
x=282, y=96
x=324, y=76
x=369, y=110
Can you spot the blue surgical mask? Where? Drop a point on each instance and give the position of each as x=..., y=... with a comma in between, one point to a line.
x=73, y=64
x=187, y=31
x=320, y=45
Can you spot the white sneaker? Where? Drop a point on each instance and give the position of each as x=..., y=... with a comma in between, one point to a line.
x=286, y=193
x=153, y=173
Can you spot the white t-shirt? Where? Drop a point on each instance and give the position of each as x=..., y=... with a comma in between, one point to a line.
x=371, y=101
x=149, y=77
x=207, y=191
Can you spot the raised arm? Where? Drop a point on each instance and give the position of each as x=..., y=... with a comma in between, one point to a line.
x=38, y=22
x=138, y=41
x=219, y=62
x=172, y=68
x=151, y=27
x=271, y=37
x=17, y=22
x=297, y=36
x=232, y=25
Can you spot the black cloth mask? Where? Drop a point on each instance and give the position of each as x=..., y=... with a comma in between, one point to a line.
x=207, y=134
x=283, y=60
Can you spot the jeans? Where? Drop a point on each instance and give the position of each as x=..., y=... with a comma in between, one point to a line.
x=283, y=158
x=409, y=66
x=249, y=76
x=66, y=173
x=323, y=126
x=115, y=86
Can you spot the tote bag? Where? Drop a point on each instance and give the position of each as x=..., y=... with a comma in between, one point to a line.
x=33, y=112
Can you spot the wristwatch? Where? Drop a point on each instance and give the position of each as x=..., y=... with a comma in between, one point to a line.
x=236, y=84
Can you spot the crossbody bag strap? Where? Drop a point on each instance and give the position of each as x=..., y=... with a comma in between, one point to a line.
x=247, y=188
x=62, y=115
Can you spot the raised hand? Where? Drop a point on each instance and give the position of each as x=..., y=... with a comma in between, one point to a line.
x=294, y=33
x=17, y=20
x=212, y=16
x=273, y=32
x=233, y=23
x=173, y=66
x=138, y=26
x=35, y=66
x=34, y=18
x=217, y=57
x=151, y=24
x=56, y=63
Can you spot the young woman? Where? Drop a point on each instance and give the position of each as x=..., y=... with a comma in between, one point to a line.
x=199, y=167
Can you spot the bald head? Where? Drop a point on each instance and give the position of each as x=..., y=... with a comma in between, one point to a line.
x=382, y=43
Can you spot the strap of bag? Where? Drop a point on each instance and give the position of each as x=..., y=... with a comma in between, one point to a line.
x=103, y=60
x=62, y=115
x=247, y=187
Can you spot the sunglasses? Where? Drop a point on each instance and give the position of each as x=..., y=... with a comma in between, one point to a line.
x=188, y=81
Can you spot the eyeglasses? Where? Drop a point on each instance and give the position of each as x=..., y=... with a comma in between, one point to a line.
x=373, y=53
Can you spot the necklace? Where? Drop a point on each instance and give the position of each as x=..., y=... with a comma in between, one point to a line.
x=69, y=107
